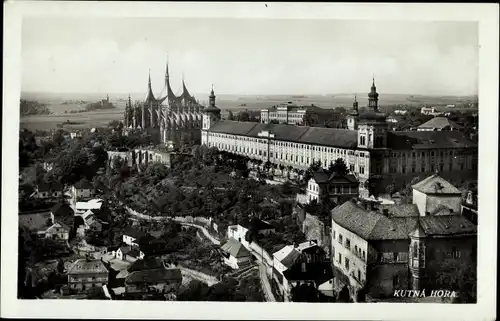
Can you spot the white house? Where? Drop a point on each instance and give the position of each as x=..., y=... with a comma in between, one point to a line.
x=285, y=259
x=235, y=254
x=82, y=189
x=131, y=236
x=129, y=253
x=46, y=191
x=435, y=195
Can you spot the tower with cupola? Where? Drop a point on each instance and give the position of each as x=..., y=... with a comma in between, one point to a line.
x=211, y=115
x=372, y=126
x=353, y=117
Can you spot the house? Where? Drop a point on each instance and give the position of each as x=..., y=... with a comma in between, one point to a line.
x=235, y=254
x=90, y=220
x=393, y=119
x=434, y=194
x=129, y=253
x=82, y=190
x=429, y=111
x=400, y=112
x=261, y=227
x=335, y=187
x=469, y=205
x=48, y=191
x=132, y=235
x=310, y=268
x=153, y=281
x=398, y=248
x=85, y=274
x=43, y=225
x=288, y=257
x=439, y=124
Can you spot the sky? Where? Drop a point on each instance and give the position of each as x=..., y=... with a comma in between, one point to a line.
x=249, y=56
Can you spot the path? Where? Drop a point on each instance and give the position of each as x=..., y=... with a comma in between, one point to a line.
x=264, y=281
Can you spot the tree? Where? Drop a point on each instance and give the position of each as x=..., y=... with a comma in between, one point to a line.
x=390, y=189
x=339, y=167
x=243, y=116
x=230, y=115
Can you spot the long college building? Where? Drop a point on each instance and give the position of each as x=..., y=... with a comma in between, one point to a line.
x=368, y=148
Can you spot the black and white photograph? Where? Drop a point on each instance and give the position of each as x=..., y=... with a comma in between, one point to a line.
x=251, y=156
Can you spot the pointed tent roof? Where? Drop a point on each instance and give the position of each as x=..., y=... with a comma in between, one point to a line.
x=149, y=96
x=235, y=249
x=418, y=232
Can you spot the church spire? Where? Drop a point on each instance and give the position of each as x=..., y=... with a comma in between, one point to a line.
x=166, y=72
x=373, y=97
x=212, y=97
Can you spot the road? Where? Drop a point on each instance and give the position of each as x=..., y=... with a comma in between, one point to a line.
x=264, y=282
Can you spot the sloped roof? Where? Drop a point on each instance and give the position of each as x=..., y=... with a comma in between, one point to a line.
x=435, y=184
x=148, y=263
x=154, y=276
x=447, y=225
x=374, y=226
x=83, y=184
x=235, y=248
x=289, y=260
x=322, y=177
x=333, y=137
x=402, y=210
x=301, y=134
x=440, y=123
x=318, y=272
x=62, y=209
x=59, y=224
x=406, y=140
x=87, y=266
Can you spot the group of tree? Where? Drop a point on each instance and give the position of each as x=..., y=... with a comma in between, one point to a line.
x=243, y=116
x=30, y=107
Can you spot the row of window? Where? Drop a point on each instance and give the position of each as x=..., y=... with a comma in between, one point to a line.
x=422, y=168
x=347, y=244
x=428, y=153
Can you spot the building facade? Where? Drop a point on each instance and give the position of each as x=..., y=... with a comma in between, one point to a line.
x=368, y=148
x=398, y=247
x=85, y=274
x=167, y=116
x=291, y=114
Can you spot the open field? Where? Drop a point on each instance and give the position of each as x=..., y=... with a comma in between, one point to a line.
x=224, y=102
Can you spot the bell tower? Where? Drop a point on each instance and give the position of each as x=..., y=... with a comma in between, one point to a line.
x=352, y=118
x=373, y=97
x=211, y=115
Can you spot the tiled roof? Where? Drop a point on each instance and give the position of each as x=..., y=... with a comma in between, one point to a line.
x=440, y=123
x=148, y=263
x=62, y=209
x=406, y=140
x=375, y=226
x=235, y=248
x=83, y=184
x=60, y=225
x=87, y=266
x=281, y=254
x=301, y=134
x=447, y=225
x=402, y=210
x=289, y=253
x=130, y=251
x=333, y=137
x=154, y=276
x=232, y=127
x=435, y=184
x=322, y=177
